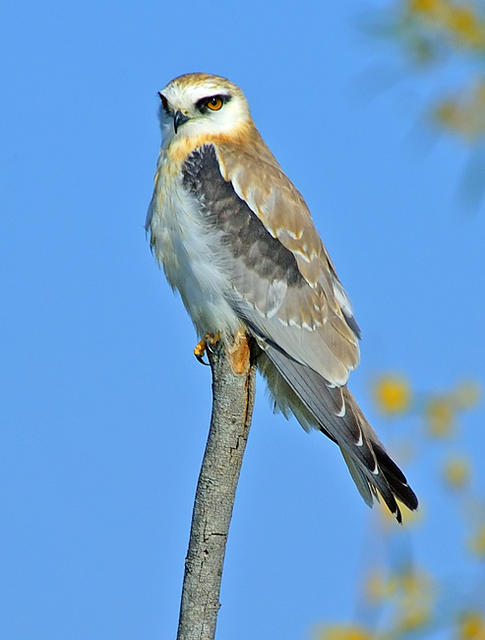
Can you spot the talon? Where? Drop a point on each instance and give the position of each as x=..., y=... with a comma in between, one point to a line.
x=209, y=340
x=199, y=351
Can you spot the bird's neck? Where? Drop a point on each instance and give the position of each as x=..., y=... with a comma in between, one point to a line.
x=243, y=136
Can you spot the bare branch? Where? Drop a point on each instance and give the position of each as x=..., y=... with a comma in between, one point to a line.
x=233, y=384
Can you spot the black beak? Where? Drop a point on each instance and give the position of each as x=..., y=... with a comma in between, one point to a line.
x=179, y=119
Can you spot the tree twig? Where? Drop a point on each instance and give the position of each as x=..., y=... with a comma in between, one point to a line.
x=233, y=384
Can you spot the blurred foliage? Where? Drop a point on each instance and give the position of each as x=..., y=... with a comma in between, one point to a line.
x=443, y=23
x=392, y=395
x=434, y=32
x=471, y=625
x=446, y=35
x=399, y=598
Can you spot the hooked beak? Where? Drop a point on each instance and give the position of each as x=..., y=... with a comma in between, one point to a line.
x=179, y=119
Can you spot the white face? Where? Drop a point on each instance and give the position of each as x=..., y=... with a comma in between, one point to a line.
x=197, y=105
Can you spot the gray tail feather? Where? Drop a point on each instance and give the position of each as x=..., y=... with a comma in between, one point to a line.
x=339, y=417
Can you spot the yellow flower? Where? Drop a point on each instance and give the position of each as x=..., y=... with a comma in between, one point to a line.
x=477, y=542
x=456, y=472
x=472, y=626
x=465, y=25
x=440, y=413
x=458, y=21
x=425, y=6
x=392, y=394
x=342, y=632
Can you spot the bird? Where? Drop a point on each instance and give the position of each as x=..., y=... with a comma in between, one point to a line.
x=237, y=241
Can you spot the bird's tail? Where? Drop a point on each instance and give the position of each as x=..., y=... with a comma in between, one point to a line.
x=333, y=410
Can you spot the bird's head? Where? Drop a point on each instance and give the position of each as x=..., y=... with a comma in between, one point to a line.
x=199, y=104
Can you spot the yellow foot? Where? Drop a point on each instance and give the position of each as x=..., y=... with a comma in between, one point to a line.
x=209, y=340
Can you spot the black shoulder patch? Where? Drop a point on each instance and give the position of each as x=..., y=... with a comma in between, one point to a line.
x=242, y=231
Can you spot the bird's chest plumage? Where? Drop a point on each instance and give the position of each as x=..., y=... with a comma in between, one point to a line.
x=189, y=250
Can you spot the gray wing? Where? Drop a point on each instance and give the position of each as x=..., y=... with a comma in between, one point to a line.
x=269, y=286
x=306, y=329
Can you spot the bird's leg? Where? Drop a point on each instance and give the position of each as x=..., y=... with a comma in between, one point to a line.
x=209, y=340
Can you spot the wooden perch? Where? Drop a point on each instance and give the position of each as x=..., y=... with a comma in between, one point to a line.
x=233, y=386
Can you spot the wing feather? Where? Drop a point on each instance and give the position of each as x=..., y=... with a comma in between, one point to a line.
x=373, y=471
x=281, y=280
x=282, y=284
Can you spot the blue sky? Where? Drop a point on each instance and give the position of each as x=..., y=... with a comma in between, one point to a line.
x=104, y=409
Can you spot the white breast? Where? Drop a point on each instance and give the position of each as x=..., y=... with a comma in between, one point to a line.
x=190, y=253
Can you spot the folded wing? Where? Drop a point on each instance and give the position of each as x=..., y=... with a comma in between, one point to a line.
x=282, y=284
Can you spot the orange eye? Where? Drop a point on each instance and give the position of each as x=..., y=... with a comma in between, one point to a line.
x=215, y=103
